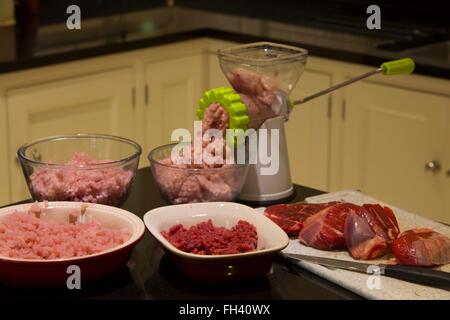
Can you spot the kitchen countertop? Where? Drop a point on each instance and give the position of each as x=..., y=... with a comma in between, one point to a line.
x=31, y=44
x=151, y=275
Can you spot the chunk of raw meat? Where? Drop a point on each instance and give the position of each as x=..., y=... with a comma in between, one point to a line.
x=325, y=229
x=257, y=91
x=215, y=117
x=290, y=217
x=254, y=84
x=369, y=232
x=257, y=111
x=422, y=247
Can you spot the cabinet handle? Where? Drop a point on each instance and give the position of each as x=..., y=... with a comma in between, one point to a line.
x=133, y=98
x=146, y=95
x=329, y=107
x=344, y=110
x=448, y=173
x=433, y=166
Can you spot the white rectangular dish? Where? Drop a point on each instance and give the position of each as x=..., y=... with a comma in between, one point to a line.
x=212, y=268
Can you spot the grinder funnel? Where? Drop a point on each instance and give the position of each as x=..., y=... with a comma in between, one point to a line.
x=281, y=64
x=264, y=74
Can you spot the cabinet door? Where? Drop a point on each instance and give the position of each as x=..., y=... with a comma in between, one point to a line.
x=216, y=78
x=308, y=132
x=174, y=88
x=446, y=167
x=100, y=103
x=4, y=175
x=389, y=136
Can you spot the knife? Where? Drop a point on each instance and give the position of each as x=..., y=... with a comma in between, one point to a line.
x=421, y=275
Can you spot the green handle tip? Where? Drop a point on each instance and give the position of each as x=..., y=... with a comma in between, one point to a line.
x=401, y=66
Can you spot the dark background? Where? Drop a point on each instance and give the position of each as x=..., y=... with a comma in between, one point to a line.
x=431, y=13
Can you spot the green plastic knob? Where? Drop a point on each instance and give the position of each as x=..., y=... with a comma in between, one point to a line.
x=230, y=101
x=401, y=66
x=233, y=105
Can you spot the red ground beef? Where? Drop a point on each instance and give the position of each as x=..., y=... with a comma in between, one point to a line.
x=206, y=239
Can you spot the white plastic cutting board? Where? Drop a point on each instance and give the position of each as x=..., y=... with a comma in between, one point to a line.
x=379, y=287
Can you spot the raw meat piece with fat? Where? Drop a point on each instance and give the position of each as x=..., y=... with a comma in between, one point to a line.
x=369, y=232
x=422, y=247
x=290, y=217
x=325, y=230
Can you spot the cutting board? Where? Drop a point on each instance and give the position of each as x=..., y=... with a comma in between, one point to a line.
x=371, y=286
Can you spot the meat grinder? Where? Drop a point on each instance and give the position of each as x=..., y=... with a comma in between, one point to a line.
x=262, y=75
x=281, y=66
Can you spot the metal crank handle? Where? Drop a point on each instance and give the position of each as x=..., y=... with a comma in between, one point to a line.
x=401, y=66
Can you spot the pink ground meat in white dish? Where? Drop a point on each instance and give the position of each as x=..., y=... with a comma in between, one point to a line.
x=25, y=236
x=99, y=185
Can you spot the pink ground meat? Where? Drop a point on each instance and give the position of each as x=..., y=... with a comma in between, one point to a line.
x=179, y=186
x=23, y=235
x=206, y=239
x=99, y=185
x=215, y=117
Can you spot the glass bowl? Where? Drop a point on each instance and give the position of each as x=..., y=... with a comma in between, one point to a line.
x=182, y=184
x=92, y=168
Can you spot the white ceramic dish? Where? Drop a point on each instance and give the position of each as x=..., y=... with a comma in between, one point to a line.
x=51, y=273
x=271, y=240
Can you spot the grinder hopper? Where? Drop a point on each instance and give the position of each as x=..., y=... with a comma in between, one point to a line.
x=264, y=74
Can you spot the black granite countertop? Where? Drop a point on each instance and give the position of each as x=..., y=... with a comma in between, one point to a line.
x=33, y=44
x=150, y=274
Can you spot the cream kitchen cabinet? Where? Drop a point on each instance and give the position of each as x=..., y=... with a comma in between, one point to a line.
x=173, y=88
x=447, y=179
x=99, y=103
x=308, y=131
x=4, y=173
x=389, y=136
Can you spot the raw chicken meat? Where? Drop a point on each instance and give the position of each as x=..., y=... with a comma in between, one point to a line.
x=253, y=84
x=105, y=185
x=24, y=235
x=257, y=111
x=325, y=229
x=184, y=186
x=215, y=117
x=422, y=247
x=290, y=217
x=257, y=92
x=369, y=232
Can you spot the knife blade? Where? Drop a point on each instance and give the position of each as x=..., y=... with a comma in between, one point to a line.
x=420, y=275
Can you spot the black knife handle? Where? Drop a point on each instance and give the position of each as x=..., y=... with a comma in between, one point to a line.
x=422, y=275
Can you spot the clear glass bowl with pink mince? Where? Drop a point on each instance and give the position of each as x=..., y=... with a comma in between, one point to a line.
x=180, y=183
x=91, y=168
